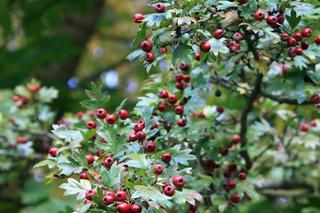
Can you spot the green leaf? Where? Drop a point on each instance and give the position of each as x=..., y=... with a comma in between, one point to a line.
x=46, y=95
x=73, y=137
x=47, y=162
x=151, y=193
x=112, y=176
x=181, y=53
x=293, y=19
x=218, y=46
x=73, y=187
x=181, y=156
x=135, y=54
x=137, y=161
x=223, y=5
x=187, y=195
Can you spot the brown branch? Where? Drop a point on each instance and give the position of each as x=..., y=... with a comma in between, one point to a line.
x=282, y=100
x=244, y=120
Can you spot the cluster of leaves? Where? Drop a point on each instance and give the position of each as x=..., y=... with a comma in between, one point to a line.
x=205, y=47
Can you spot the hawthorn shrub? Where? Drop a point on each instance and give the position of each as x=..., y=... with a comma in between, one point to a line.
x=25, y=122
x=230, y=117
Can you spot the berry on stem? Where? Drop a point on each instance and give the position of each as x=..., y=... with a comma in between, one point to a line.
x=101, y=113
x=138, y=17
x=178, y=181
x=53, y=151
x=157, y=169
x=123, y=114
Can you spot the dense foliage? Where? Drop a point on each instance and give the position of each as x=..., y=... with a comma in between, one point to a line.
x=229, y=118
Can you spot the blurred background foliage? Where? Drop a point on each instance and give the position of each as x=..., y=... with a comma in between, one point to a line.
x=68, y=44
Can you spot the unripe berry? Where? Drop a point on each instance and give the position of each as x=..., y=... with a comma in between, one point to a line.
x=169, y=190
x=235, y=198
x=157, y=169
x=91, y=125
x=218, y=33
x=138, y=17
x=166, y=157
x=160, y=7
x=108, y=162
x=121, y=196
x=182, y=122
x=149, y=57
x=259, y=15
x=272, y=20
x=205, y=46
x=146, y=46
x=53, y=151
x=123, y=114
x=123, y=208
x=306, y=32
x=90, y=159
x=101, y=113
x=111, y=119
x=179, y=109
x=178, y=181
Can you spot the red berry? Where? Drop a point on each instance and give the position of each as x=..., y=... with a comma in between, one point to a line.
x=284, y=36
x=227, y=174
x=108, y=162
x=162, y=106
x=111, y=119
x=53, y=151
x=284, y=69
x=163, y=50
x=234, y=46
x=317, y=40
x=306, y=32
x=201, y=115
x=123, y=114
x=169, y=190
x=149, y=57
x=315, y=99
x=298, y=51
x=184, y=65
x=84, y=175
x=135, y=208
x=160, y=7
x=242, y=1
x=157, y=169
x=86, y=201
x=166, y=157
x=259, y=15
x=182, y=122
x=89, y=194
x=205, y=46
x=235, y=139
x=237, y=36
x=123, y=208
x=313, y=123
x=272, y=20
x=280, y=19
x=21, y=140
x=141, y=135
x=218, y=33
x=232, y=167
x=138, y=17
x=90, y=159
x=291, y=53
x=242, y=175
x=172, y=98
x=91, y=125
x=163, y=94
x=108, y=199
x=34, y=88
x=231, y=184
x=220, y=109
x=101, y=113
x=150, y=146
x=224, y=151
x=297, y=35
x=178, y=181
x=179, y=109
x=146, y=46
x=186, y=78
x=139, y=126
x=304, y=45
x=132, y=137
x=197, y=56
x=121, y=196
x=292, y=41
x=304, y=127
x=235, y=198
x=154, y=126
x=180, y=85
x=179, y=77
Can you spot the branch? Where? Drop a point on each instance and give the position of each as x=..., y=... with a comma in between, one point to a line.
x=244, y=120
